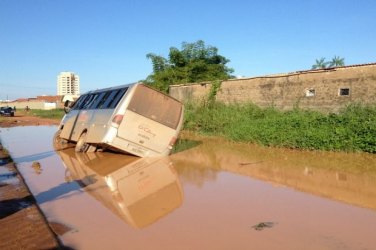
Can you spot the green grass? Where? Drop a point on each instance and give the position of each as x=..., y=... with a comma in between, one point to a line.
x=353, y=129
x=52, y=114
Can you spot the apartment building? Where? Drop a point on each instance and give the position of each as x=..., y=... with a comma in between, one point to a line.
x=68, y=83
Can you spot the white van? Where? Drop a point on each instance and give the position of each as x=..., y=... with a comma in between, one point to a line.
x=132, y=118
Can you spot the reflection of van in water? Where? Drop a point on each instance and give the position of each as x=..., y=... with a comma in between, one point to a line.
x=131, y=118
x=139, y=190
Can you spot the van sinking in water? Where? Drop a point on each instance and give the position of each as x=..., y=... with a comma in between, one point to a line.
x=138, y=190
x=132, y=118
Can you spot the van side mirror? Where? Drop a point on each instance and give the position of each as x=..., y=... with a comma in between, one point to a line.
x=66, y=106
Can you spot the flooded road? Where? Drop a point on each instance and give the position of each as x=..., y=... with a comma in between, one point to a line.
x=211, y=194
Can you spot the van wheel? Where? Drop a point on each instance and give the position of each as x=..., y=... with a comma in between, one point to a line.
x=82, y=146
x=58, y=142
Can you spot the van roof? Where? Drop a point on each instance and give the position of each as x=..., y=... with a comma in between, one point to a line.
x=112, y=88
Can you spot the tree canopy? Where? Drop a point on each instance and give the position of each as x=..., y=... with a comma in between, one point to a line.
x=335, y=62
x=320, y=64
x=195, y=62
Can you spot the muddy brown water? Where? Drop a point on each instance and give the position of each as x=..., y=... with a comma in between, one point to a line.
x=211, y=195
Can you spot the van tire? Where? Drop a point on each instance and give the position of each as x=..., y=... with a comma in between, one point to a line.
x=82, y=146
x=58, y=142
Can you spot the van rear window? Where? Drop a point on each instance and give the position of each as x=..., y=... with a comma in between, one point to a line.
x=156, y=106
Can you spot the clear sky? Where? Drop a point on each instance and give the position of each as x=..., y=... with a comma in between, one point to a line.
x=105, y=42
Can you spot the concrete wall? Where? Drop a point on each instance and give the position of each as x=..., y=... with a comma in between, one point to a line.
x=31, y=105
x=190, y=92
x=289, y=90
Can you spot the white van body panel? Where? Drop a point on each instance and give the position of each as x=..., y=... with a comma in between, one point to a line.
x=147, y=133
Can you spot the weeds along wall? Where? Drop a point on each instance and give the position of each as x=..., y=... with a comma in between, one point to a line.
x=324, y=90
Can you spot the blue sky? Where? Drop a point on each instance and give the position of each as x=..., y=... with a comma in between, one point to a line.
x=106, y=42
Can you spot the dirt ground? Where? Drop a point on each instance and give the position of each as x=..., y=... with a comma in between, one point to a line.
x=22, y=224
x=26, y=120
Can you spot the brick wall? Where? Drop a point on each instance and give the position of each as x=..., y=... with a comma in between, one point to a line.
x=324, y=90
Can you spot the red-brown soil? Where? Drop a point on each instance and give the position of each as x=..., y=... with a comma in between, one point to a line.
x=22, y=225
x=25, y=120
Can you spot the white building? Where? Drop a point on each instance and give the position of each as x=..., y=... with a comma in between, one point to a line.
x=68, y=83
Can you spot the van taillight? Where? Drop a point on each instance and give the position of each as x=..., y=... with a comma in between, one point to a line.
x=117, y=120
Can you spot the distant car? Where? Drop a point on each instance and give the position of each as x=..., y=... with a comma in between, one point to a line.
x=6, y=111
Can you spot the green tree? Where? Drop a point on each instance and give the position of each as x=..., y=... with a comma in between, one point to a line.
x=159, y=63
x=194, y=62
x=320, y=64
x=337, y=61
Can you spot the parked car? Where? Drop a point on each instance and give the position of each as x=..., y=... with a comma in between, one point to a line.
x=6, y=111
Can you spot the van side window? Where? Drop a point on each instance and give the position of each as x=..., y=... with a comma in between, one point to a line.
x=103, y=98
x=109, y=99
x=120, y=93
x=79, y=102
x=89, y=101
x=114, y=98
x=96, y=100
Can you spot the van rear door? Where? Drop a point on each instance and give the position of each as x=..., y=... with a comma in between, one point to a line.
x=151, y=119
x=145, y=132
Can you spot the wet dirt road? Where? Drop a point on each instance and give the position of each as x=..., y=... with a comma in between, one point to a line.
x=212, y=195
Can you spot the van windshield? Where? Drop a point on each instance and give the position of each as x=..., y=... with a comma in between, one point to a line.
x=156, y=106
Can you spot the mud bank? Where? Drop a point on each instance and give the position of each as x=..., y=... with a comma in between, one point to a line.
x=26, y=120
x=22, y=225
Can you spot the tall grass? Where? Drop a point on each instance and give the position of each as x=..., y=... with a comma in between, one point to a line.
x=352, y=129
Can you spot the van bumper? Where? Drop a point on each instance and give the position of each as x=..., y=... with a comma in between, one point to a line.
x=133, y=148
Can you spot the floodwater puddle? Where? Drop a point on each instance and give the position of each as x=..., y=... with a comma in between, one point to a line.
x=6, y=173
x=4, y=161
x=209, y=194
x=139, y=190
x=346, y=177
x=262, y=225
x=7, y=177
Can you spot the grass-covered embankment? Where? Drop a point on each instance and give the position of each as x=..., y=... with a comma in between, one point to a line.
x=353, y=129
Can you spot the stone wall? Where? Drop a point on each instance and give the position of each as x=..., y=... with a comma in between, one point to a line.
x=324, y=90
